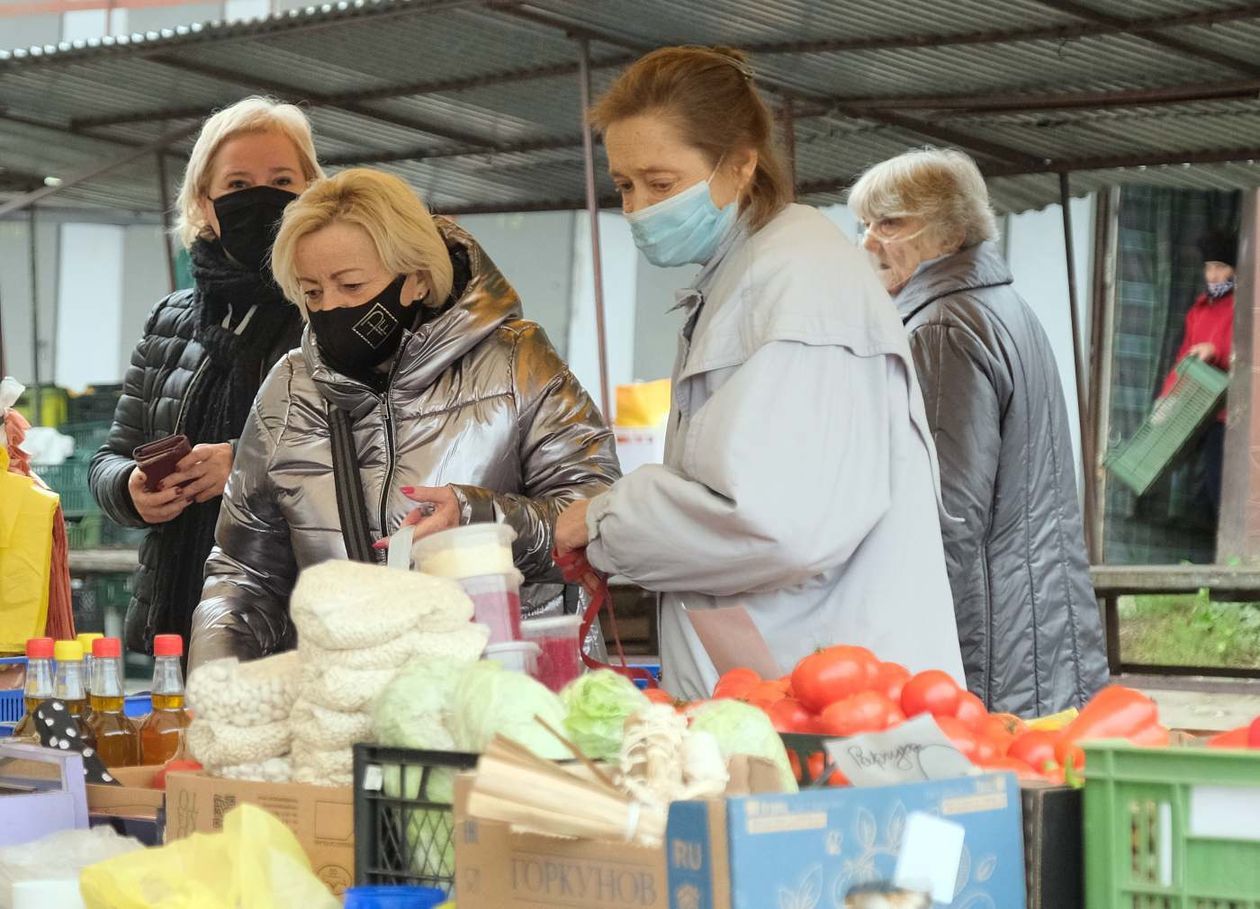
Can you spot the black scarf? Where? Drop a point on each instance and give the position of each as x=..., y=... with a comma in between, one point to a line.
x=216, y=406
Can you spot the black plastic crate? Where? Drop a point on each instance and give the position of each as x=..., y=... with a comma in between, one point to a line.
x=404, y=823
x=99, y=403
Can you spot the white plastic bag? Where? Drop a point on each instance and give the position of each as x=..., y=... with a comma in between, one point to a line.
x=59, y=856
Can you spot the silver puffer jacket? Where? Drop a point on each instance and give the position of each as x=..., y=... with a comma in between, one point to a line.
x=479, y=399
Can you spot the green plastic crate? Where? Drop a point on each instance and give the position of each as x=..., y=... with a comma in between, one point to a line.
x=1193, y=400
x=84, y=532
x=88, y=437
x=1155, y=837
x=69, y=480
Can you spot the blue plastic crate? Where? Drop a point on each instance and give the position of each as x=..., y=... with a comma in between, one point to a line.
x=653, y=668
x=12, y=703
x=138, y=705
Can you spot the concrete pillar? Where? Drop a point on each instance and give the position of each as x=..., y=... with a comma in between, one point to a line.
x=1238, y=535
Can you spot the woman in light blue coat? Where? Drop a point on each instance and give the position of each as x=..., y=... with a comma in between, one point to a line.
x=800, y=481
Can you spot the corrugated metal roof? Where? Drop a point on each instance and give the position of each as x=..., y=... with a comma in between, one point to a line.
x=476, y=102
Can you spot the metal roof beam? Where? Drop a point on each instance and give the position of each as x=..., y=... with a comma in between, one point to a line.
x=1020, y=102
x=967, y=142
x=1006, y=36
x=297, y=93
x=431, y=154
x=1153, y=35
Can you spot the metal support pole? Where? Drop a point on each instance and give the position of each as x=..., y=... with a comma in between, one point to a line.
x=1078, y=358
x=164, y=194
x=592, y=209
x=38, y=413
x=787, y=120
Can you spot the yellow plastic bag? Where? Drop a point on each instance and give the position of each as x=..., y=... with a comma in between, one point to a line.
x=27, y=513
x=255, y=863
x=1055, y=721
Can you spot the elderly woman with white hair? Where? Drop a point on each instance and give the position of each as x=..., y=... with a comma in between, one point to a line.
x=204, y=353
x=1027, y=618
x=418, y=383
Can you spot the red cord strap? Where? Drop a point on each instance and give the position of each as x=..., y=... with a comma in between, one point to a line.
x=577, y=570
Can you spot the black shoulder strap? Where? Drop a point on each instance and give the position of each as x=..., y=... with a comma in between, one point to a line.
x=350, y=507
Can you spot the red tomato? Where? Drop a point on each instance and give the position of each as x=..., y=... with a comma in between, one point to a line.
x=766, y=694
x=790, y=715
x=831, y=675
x=1035, y=748
x=971, y=711
x=931, y=692
x=995, y=731
x=963, y=738
x=817, y=764
x=795, y=763
x=867, y=711
x=1014, y=725
x=890, y=679
x=1019, y=768
x=736, y=684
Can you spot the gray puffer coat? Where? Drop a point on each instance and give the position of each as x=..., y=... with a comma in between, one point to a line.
x=477, y=399
x=1028, y=622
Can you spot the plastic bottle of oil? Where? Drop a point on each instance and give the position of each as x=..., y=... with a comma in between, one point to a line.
x=68, y=684
x=39, y=686
x=117, y=739
x=162, y=733
x=89, y=676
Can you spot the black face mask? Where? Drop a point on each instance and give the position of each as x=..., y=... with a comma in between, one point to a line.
x=354, y=339
x=248, y=222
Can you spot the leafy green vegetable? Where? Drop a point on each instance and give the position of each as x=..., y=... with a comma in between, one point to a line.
x=599, y=704
x=743, y=729
x=490, y=700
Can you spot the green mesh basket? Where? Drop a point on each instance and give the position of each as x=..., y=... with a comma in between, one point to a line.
x=69, y=480
x=1171, y=828
x=1194, y=399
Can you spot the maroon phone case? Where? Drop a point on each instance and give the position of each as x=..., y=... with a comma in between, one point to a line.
x=159, y=458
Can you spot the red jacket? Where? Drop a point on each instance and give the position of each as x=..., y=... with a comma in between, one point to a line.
x=1210, y=321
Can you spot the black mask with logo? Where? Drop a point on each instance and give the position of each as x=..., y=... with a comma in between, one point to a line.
x=356, y=339
x=249, y=220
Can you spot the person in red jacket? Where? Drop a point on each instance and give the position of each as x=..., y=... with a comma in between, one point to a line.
x=1209, y=335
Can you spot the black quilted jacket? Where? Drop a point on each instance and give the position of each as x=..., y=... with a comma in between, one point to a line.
x=163, y=367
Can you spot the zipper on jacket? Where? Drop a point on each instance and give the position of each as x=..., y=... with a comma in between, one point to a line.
x=183, y=407
x=389, y=461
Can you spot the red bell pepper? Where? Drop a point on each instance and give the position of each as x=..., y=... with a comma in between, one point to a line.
x=1115, y=713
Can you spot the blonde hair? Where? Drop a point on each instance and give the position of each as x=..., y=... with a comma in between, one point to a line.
x=252, y=115
x=944, y=187
x=406, y=238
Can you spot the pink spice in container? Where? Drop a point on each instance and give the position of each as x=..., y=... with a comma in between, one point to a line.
x=559, y=639
x=479, y=556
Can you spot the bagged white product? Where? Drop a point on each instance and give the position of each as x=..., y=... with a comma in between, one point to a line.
x=272, y=770
x=59, y=855
x=322, y=766
x=320, y=727
x=223, y=745
x=465, y=644
x=346, y=690
x=253, y=693
x=344, y=605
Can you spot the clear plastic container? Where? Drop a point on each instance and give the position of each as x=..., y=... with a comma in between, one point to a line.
x=496, y=604
x=517, y=656
x=559, y=642
x=466, y=552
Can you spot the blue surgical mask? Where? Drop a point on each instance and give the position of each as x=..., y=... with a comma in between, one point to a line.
x=683, y=229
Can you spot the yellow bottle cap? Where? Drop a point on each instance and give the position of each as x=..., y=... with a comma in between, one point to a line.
x=85, y=640
x=68, y=652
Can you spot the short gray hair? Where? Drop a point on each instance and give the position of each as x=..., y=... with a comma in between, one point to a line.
x=940, y=185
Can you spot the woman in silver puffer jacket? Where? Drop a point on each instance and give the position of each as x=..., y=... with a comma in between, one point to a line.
x=454, y=402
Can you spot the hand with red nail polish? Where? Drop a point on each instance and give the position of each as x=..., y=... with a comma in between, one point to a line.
x=437, y=510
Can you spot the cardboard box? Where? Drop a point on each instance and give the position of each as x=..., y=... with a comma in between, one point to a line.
x=322, y=817
x=498, y=869
x=957, y=839
x=133, y=808
x=1053, y=846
